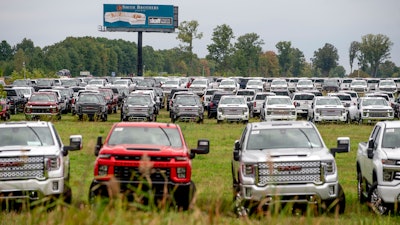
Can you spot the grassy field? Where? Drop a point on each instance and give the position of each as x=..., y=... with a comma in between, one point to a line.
x=212, y=176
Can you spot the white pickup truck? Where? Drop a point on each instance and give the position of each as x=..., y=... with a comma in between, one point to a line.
x=280, y=163
x=34, y=163
x=378, y=167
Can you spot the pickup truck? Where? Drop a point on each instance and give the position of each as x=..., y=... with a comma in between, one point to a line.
x=378, y=168
x=147, y=162
x=34, y=163
x=286, y=163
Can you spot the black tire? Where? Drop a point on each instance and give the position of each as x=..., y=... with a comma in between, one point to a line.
x=183, y=198
x=376, y=202
x=360, y=189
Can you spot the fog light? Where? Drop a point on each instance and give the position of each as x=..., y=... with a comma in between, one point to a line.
x=181, y=172
x=103, y=170
x=55, y=185
x=248, y=192
x=331, y=190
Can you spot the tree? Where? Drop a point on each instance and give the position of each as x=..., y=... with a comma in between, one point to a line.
x=247, y=50
x=269, y=64
x=353, y=51
x=326, y=58
x=374, y=49
x=388, y=69
x=291, y=60
x=284, y=56
x=221, y=48
x=6, y=52
x=187, y=32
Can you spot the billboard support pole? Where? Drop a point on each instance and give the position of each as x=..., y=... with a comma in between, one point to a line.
x=139, y=55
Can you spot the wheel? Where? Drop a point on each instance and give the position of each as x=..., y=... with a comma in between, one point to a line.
x=360, y=189
x=104, y=117
x=376, y=202
x=348, y=118
x=183, y=198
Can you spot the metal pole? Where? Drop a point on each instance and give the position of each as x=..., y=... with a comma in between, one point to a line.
x=140, y=54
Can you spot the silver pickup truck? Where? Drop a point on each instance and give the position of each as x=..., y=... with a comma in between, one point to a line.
x=34, y=163
x=378, y=167
x=279, y=163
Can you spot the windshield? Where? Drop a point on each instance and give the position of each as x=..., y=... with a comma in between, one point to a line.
x=278, y=101
x=146, y=136
x=43, y=98
x=232, y=101
x=328, y=101
x=374, y=101
x=139, y=100
x=25, y=136
x=89, y=99
x=284, y=138
x=186, y=100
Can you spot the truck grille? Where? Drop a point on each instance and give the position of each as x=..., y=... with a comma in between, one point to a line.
x=124, y=173
x=289, y=172
x=22, y=167
x=139, y=110
x=331, y=112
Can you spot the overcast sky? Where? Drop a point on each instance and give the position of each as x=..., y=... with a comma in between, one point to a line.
x=307, y=24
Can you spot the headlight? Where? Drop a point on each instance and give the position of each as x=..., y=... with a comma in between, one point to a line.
x=52, y=163
x=248, y=169
x=329, y=167
x=389, y=162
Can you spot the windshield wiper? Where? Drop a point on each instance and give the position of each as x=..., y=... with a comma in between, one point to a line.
x=37, y=135
x=169, y=140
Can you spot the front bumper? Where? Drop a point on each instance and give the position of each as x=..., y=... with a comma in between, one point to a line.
x=31, y=189
x=297, y=193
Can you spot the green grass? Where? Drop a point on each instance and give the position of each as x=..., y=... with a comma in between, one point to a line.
x=211, y=173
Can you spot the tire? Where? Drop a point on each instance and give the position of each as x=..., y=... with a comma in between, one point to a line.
x=360, y=189
x=376, y=202
x=183, y=198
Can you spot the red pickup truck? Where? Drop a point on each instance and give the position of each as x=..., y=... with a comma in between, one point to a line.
x=146, y=159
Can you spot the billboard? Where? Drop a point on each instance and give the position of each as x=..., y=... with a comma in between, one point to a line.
x=146, y=18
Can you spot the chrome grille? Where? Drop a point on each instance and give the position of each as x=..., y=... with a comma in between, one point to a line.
x=21, y=167
x=331, y=112
x=289, y=172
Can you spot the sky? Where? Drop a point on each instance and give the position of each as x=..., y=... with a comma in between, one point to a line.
x=307, y=24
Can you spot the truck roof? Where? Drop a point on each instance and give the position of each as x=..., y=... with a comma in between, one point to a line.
x=391, y=124
x=25, y=123
x=280, y=124
x=145, y=124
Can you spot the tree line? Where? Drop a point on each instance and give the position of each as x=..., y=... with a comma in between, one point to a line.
x=228, y=55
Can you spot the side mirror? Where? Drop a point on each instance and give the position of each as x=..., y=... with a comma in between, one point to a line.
x=99, y=144
x=203, y=147
x=343, y=146
x=370, y=149
x=75, y=143
x=236, y=150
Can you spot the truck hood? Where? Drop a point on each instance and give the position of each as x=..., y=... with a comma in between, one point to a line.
x=9, y=151
x=303, y=154
x=140, y=149
x=391, y=153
